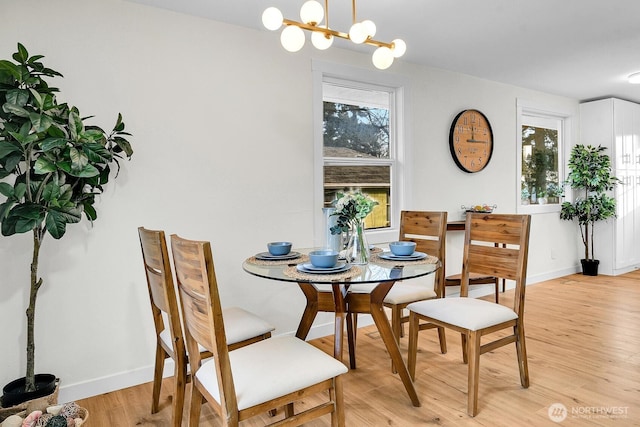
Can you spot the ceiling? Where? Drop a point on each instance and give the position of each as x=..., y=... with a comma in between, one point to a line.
x=582, y=49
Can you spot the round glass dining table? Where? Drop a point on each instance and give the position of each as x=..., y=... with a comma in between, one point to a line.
x=359, y=289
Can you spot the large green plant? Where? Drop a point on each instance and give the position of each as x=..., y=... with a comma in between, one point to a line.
x=59, y=164
x=590, y=177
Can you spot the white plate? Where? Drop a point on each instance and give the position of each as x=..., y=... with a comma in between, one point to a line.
x=310, y=268
x=413, y=257
x=266, y=256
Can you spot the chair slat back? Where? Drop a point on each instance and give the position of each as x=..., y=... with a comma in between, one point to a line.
x=497, y=245
x=491, y=261
x=428, y=230
x=202, y=311
x=156, y=266
x=160, y=283
x=496, y=228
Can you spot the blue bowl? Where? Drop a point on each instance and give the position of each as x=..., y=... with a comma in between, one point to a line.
x=402, y=248
x=323, y=259
x=279, y=248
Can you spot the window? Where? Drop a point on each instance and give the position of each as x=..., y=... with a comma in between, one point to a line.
x=357, y=147
x=540, y=137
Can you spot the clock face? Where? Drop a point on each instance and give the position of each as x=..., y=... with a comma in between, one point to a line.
x=471, y=141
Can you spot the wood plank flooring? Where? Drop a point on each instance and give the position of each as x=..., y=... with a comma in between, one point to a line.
x=583, y=344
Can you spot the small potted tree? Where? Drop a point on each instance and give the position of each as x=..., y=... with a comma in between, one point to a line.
x=58, y=165
x=590, y=177
x=541, y=196
x=554, y=192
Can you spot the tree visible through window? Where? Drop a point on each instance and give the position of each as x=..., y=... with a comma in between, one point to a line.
x=539, y=182
x=358, y=128
x=358, y=145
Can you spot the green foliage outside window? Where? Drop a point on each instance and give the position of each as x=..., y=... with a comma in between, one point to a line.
x=539, y=164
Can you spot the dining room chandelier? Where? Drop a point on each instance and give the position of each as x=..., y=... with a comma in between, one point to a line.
x=322, y=35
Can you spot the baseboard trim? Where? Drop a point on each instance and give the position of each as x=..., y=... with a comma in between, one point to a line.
x=94, y=387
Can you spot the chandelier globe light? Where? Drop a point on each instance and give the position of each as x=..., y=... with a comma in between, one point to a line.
x=358, y=33
x=369, y=27
x=311, y=12
x=321, y=41
x=399, y=48
x=292, y=38
x=382, y=58
x=312, y=15
x=272, y=18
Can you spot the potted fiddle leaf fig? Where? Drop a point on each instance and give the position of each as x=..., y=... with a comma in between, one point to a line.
x=52, y=166
x=590, y=176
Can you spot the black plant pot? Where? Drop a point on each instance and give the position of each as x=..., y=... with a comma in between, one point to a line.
x=14, y=394
x=590, y=267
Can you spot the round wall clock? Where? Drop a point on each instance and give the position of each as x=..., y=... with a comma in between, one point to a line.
x=471, y=141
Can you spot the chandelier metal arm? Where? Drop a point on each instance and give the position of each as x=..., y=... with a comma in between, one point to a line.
x=334, y=33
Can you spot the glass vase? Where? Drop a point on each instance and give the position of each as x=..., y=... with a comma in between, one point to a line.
x=331, y=241
x=358, y=248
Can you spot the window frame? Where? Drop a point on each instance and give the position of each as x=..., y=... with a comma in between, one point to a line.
x=529, y=109
x=398, y=149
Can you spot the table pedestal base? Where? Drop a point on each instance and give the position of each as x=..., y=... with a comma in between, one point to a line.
x=347, y=305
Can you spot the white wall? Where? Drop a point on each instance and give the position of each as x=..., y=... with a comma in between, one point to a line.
x=222, y=133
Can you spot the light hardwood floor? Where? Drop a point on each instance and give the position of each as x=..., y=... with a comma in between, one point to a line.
x=583, y=344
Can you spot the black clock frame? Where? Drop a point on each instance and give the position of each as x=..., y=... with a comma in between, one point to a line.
x=452, y=149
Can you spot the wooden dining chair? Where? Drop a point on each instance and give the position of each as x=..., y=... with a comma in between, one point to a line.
x=244, y=327
x=495, y=245
x=245, y=382
x=475, y=278
x=428, y=230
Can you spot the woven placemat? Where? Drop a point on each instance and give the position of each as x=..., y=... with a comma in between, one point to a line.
x=301, y=259
x=293, y=272
x=375, y=258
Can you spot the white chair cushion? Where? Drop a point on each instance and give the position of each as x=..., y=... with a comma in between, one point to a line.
x=469, y=313
x=416, y=290
x=402, y=293
x=239, y=325
x=272, y=368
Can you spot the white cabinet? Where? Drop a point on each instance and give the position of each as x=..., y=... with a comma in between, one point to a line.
x=615, y=124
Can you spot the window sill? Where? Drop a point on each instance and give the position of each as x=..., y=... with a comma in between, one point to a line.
x=538, y=209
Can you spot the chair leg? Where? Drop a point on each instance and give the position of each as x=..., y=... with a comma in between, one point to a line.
x=443, y=340
x=463, y=338
x=497, y=291
x=196, y=404
x=474, y=365
x=352, y=329
x=336, y=394
x=396, y=327
x=521, y=350
x=414, y=327
x=180, y=384
x=396, y=322
x=157, y=378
